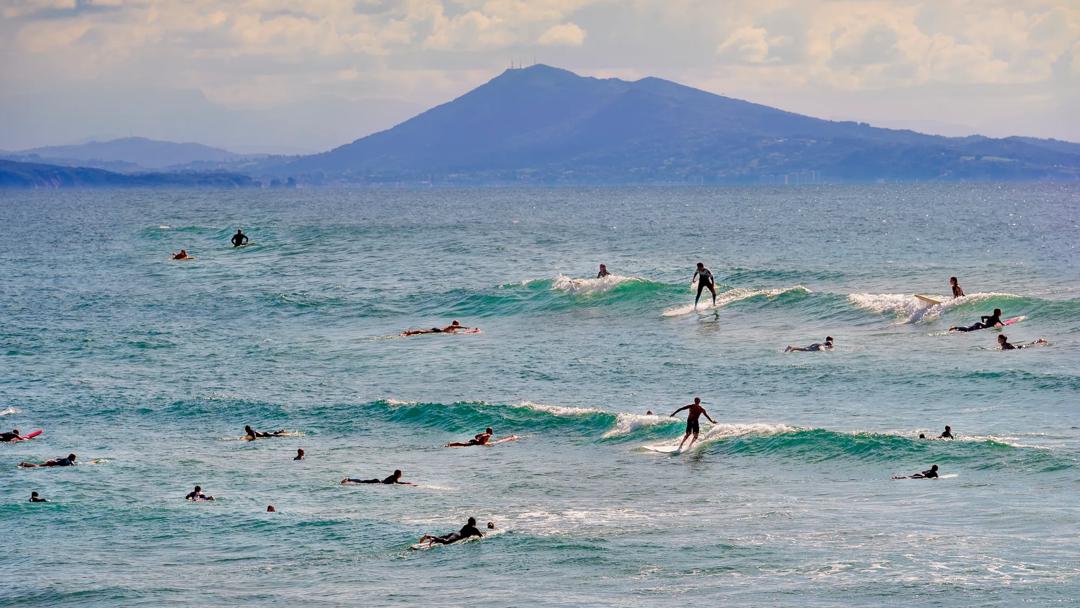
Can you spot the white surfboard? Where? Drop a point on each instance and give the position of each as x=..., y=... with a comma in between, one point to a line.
x=663, y=449
x=927, y=300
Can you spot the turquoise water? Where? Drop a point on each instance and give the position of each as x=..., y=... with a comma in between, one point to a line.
x=153, y=367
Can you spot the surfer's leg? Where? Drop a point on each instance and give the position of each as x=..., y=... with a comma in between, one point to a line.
x=684, y=437
x=700, y=287
x=712, y=288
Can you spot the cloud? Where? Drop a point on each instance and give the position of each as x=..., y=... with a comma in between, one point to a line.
x=564, y=34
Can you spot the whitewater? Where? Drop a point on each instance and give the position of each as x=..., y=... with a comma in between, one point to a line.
x=151, y=368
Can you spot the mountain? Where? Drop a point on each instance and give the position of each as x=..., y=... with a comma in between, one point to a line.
x=129, y=153
x=33, y=175
x=544, y=124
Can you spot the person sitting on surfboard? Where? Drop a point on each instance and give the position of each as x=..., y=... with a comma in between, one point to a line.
x=466, y=531
x=449, y=329
x=603, y=272
x=957, y=292
x=183, y=255
x=1003, y=343
x=947, y=434
x=930, y=473
x=984, y=322
x=251, y=434
x=69, y=461
x=478, y=439
x=239, y=238
x=704, y=279
x=813, y=348
x=692, y=425
x=12, y=436
x=197, y=494
x=35, y=498
x=393, y=479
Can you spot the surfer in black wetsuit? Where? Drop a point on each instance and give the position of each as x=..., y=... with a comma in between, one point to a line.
x=466, y=531
x=957, y=292
x=985, y=322
x=299, y=454
x=12, y=436
x=197, y=494
x=35, y=498
x=478, y=439
x=947, y=434
x=813, y=348
x=449, y=329
x=69, y=461
x=251, y=434
x=239, y=238
x=1003, y=343
x=603, y=272
x=931, y=473
x=693, y=427
x=705, y=280
x=391, y=480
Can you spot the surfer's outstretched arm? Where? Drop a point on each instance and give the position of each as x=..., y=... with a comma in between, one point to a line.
x=707, y=416
x=685, y=407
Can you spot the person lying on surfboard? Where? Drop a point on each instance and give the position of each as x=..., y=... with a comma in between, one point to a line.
x=813, y=348
x=985, y=322
x=68, y=461
x=12, y=436
x=449, y=329
x=197, y=495
x=391, y=480
x=603, y=272
x=251, y=434
x=466, y=531
x=930, y=473
x=1003, y=343
x=704, y=279
x=478, y=439
x=957, y=292
x=183, y=255
x=692, y=425
x=35, y=498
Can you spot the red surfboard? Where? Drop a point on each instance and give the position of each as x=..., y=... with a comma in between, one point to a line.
x=32, y=435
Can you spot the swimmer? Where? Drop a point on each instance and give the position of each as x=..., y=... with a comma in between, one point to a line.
x=1003, y=343
x=270, y=509
x=984, y=322
x=705, y=280
x=603, y=272
x=947, y=434
x=12, y=436
x=813, y=348
x=692, y=425
x=35, y=498
x=449, y=329
x=391, y=480
x=478, y=439
x=299, y=454
x=922, y=435
x=183, y=255
x=239, y=238
x=251, y=434
x=957, y=291
x=69, y=461
x=466, y=531
x=649, y=413
x=931, y=473
x=197, y=495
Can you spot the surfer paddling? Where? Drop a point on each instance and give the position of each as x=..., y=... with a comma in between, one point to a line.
x=957, y=291
x=1004, y=344
x=693, y=427
x=603, y=272
x=239, y=238
x=197, y=495
x=68, y=461
x=813, y=348
x=181, y=255
x=985, y=322
x=12, y=436
x=467, y=531
x=449, y=329
x=930, y=473
x=704, y=279
x=478, y=439
x=35, y=498
x=251, y=434
x=391, y=480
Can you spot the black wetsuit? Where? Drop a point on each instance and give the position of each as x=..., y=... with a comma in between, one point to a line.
x=8, y=436
x=465, y=532
x=197, y=496
x=946, y=435
x=986, y=322
x=602, y=274
x=62, y=462
x=239, y=239
x=705, y=281
x=37, y=499
x=929, y=474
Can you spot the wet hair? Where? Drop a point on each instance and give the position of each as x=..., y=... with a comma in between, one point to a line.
x=700, y=265
x=997, y=311
x=16, y=431
x=952, y=279
x=1002, y=339
x=455, y=322
x=489, y=430
x=490, y=524
x=697, y=399
x=71, y=456
x=33, y=494
x=198, y=488
x=397, y=472
x=270, y=509
x=828, y=338
x=933, y=468
x=922, y=435
x=948, y=428
x=472, y=521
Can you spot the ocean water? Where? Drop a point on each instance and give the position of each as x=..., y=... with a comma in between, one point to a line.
x=152, y=367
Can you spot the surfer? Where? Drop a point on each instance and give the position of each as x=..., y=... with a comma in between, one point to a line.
x=197, y=494
x=930, y=473
x=947, y=434
x=183, y=255
x=466, y=531
x=704, y=279
x=984, y=322
x=68, y=461
x=35, y=498
x=251, y=434
x=478, y=439
x=813, y=348
x=270, y=509
x=692, y=425
x=391, y=480
x=957, y=291
x=12, y=436
x=239, y=238
x=449, y=329
x=603, y=272
x=1003, y=343
x=299, y=454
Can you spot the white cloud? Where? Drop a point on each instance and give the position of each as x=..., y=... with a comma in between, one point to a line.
x=564, y=34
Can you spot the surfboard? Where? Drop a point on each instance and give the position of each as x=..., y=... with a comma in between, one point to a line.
x=1008, y=322
x=663, y=449
x=927, y=300
x=32, y=435
x=503, y=440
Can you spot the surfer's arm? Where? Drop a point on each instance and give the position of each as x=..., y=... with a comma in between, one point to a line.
x=679, y=410
x=708, y=416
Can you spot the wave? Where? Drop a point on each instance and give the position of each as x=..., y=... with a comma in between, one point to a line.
x=908, y=309
x=592, y=287
x=9, y=411
x=780, y=295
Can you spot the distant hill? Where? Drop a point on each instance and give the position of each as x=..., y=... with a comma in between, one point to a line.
x=34, y=175
x=547, y=125
x=128, y=153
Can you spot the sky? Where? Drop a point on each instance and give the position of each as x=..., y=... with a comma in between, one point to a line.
x=296, y=76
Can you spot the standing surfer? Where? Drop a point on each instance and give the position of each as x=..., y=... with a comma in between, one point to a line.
x=704, y=279
x=692, y=425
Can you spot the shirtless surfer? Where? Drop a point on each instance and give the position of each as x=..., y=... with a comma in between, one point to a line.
x=449, y=329
x=813, y=348
x=692, y=425
x=957, y=292
x=391, y=480
x=704, y=279
x=182, y=255
x=1004, y=344
x=466, y=531
x=478, y=439
x=251, y=434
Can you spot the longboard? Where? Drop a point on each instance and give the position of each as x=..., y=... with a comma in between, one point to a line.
x=504, y=440
x=1008, y=322
x=31, y=435
x=927, y=300
x=663, y=449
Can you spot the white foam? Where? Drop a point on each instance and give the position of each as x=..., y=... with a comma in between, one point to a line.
x=9, y=411
x=588, y=287
x=628, y=423
x=733, y=295
x=559, y=410
x=716, y=432
x=909, y=309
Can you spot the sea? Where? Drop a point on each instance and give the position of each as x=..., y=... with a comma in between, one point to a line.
x=149, y=369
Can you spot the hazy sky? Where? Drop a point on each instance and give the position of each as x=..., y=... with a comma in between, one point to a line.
x=306, y=75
